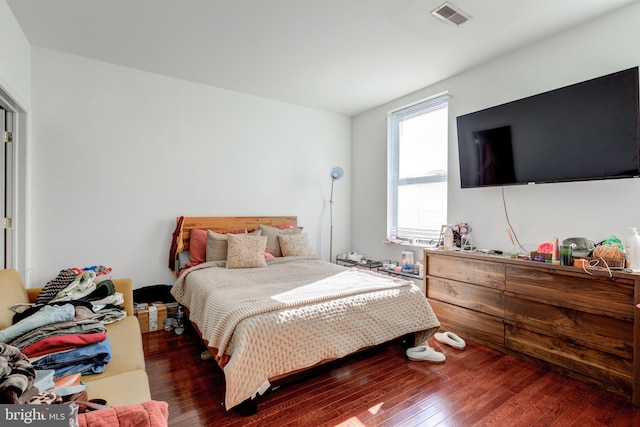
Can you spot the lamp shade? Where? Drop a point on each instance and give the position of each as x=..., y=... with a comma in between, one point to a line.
x=336, y=173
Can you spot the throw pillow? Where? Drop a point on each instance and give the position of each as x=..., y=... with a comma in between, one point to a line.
x=216, y=246
x=295, y=245
x=246, y=251
x=272, y=233
x=198, y=245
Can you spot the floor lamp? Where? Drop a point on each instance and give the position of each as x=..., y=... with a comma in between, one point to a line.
x=336, y=174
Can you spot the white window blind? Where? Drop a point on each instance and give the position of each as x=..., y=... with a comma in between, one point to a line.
x=417, y=170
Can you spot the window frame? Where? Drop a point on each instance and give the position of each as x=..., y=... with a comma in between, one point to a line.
x=394, y=182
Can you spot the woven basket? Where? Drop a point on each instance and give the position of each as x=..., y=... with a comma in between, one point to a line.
x=545, y=257
x=600, y=262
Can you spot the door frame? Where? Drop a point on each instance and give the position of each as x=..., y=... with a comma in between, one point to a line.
x=16, y=238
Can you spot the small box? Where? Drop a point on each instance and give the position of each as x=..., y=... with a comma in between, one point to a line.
x=152, y=317
x=580, y=262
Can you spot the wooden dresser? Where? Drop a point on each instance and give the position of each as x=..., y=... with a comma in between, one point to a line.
x=585, y=326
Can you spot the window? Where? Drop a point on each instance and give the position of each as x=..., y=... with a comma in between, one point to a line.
x=417, y=170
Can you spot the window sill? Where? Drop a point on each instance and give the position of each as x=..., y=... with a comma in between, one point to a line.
x=410, y=243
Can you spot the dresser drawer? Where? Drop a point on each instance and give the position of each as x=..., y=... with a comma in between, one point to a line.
x=474, y=297
x=608, y=334
x=614, y=296
x=462, y=269
x=588, y=364
x=469, y=324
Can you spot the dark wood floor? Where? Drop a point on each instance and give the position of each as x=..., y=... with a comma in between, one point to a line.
x=380, y=387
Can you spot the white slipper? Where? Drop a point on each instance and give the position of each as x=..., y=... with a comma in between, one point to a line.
x=424, y=353
x=451, y=339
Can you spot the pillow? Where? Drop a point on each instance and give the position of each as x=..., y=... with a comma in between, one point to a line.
x=216, y=246
x=295, y=245
x=217, y=243
x=246, y=251
x=198, y=245
x=287, y=226
x=272, y=233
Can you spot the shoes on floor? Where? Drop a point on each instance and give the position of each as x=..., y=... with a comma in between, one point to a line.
x=451, y=339
x=424, y=353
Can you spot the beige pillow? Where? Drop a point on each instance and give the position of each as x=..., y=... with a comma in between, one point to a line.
x=217, y=245
x=272, y=233
x=295, y=245
x=246, y=251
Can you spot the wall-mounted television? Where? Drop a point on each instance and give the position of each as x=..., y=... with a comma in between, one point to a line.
x=585, y=131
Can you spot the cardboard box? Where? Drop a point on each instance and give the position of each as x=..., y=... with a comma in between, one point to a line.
x=151, y=317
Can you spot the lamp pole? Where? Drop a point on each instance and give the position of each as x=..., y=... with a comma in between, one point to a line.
x=336, y=173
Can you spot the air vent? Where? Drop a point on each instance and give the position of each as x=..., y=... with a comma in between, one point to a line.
x=450, y=13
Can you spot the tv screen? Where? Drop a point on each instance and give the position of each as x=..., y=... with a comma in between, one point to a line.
x=585, y=131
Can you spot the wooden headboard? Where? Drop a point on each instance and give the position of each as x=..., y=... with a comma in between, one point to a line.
x=184, y=225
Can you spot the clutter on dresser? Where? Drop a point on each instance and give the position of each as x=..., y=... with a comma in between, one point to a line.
x=447, y=238
x=632, y=249
x=609, y=254
x=464, y=229
x=455, y=237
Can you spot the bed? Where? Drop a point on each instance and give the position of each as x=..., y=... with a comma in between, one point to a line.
x=290, y=312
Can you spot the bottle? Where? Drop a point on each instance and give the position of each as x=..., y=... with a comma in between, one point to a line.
x=448, y=238
x=632, y=249
x=555, y=257
x=179, y=329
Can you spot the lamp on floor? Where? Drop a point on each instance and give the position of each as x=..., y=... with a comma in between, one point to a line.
x=336, y=173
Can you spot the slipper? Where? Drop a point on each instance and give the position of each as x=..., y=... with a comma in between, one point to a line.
x=424, y=353
x=451, y=339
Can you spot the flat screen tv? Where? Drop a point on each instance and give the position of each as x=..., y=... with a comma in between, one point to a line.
x=585, y=131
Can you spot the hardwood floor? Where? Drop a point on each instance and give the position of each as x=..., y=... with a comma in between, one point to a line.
x=380, y=387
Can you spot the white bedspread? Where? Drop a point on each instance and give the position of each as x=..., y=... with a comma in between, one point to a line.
x=296, y=313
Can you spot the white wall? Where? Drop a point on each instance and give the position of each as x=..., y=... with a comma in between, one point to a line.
x=15, y=94
x=15, y=65
x=118, y=154
x=595, y=209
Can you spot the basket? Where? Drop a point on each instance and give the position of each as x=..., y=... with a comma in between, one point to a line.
x=544, y=256
x=600, y=262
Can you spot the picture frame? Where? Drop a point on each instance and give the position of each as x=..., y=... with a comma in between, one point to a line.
x=443, y=229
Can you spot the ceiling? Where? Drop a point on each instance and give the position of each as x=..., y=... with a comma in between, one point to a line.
x=343, y=56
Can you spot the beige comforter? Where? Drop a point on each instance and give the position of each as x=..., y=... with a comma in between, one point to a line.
x=295, y=313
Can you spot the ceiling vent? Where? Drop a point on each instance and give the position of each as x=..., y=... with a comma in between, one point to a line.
x=450, y=13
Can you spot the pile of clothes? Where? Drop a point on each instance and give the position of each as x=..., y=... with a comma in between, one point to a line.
x=62, y=334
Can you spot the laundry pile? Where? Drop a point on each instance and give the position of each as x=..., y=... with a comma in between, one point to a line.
x=62, y=335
